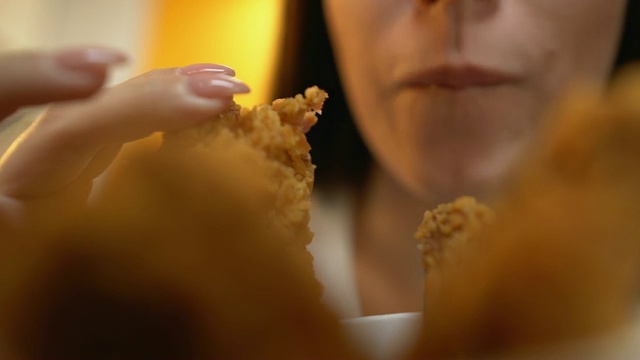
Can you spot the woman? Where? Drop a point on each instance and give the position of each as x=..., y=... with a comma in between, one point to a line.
x=446, y=94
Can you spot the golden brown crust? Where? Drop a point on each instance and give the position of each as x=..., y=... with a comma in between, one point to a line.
x=449, y=225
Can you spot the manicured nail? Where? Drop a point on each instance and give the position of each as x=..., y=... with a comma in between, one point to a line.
x=87, y=58
x=215, y=85
x=206, y=68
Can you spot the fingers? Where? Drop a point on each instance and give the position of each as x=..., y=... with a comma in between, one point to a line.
x=62, y=144
x=162, y=100
x=31, y=77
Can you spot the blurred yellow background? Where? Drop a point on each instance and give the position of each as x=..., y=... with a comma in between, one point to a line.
x=243, y=34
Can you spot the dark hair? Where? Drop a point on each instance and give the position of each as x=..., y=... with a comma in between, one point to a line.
x=337, y=148
x=629, y=50
x=307, y=59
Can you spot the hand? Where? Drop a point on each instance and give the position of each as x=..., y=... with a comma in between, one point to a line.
x=81, y=133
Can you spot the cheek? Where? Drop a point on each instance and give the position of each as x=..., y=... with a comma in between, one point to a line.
x=358, y=30
x=573, y=39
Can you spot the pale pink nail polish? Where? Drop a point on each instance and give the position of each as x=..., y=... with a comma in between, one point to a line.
x=206, y=68
x=88, y=58
x=210, y=85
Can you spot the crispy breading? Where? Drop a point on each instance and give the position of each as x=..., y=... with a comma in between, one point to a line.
x=275, y=132
x=272, y=139
x=449, y=225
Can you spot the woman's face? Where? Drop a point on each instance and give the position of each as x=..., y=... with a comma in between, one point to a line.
x=447, y=93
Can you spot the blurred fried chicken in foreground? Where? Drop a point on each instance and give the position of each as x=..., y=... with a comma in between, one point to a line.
x=178, y=262
x=561, y=263
x=189, y=258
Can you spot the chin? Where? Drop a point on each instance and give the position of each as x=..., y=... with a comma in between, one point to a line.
x=481, y=179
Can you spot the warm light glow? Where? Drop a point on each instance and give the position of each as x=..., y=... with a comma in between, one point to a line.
x=243, y=34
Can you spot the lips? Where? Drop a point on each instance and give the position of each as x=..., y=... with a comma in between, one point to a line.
x=457, y=78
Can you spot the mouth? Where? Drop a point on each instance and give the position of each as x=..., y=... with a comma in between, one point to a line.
x=456, y=78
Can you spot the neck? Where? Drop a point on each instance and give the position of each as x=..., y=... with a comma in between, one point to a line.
x=389, y=273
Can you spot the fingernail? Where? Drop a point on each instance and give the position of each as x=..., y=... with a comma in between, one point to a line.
x=206, y=68
x=88, y=58
x=215, y=85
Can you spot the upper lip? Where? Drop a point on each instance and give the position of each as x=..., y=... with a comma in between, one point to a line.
x=458, y=77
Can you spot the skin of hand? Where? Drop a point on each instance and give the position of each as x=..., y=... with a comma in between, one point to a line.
x=81, y=132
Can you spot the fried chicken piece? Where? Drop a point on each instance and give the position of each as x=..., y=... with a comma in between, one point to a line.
x=275, y=132
x=271, y=138
x=561, y=262
x=449, y=225
x=179, y=262
x=195, y=251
